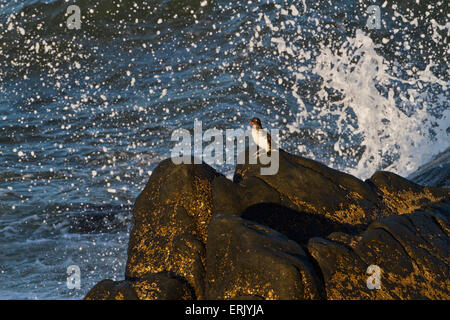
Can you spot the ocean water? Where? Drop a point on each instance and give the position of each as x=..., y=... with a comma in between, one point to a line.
x=86, y=114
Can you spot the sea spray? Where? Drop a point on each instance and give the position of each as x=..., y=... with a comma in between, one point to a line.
x=87, y=114
x=375, y=110
x=398, y=131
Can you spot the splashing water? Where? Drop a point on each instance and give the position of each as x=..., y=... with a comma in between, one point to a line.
x=86, y=115
x=395, y=139
x=376, y=115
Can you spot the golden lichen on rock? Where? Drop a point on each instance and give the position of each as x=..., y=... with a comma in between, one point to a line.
x=308, y=232
x=414, y=264
x=173, y=213
x=399, y=195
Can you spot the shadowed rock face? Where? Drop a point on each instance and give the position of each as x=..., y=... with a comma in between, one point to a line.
x=163, y=286
x=247, y=259
x=112, y=290
x=308, y=232
x=153, y=286
x=306, y=199
x=307, y=186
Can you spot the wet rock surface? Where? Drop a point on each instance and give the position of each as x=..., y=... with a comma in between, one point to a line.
x=153, y=286
x=308, y=186
x=248, y=259
x=411, y=250
x=307, y=232
x=399, y=195
x=112, y=290
x=171, y=218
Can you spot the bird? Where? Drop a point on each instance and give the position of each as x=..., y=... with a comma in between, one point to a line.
x=262, y=139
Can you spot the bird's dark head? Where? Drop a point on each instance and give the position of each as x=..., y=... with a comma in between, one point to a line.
x=256, y=122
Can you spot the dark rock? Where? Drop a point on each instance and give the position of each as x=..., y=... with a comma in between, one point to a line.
x=171, y=217
x=248, y=259
x=199, y=235
x=344, y=273
x=299, y=226
x=159, y=286
x=112, y=290
x=297, y=200
x=412, y=251
x=247, y=298
x=311, y=187
x=399, y=195
x=163, y=286
x=306, y=198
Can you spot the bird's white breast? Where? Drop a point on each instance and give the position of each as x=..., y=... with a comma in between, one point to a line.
x=260, y=138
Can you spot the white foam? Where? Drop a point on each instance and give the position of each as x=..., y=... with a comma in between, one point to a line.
x=387, y=130
x=399, y=122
